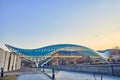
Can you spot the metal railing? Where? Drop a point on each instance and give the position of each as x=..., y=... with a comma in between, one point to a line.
x=108, y=69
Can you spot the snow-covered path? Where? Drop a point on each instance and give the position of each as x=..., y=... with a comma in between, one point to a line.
x=33, y=77
x=64, y=75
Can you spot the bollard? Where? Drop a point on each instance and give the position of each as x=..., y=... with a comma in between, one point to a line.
x=53, y=73
x=2, y=73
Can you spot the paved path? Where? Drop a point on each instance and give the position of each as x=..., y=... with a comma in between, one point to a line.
x=28, y=74
x=33, y=77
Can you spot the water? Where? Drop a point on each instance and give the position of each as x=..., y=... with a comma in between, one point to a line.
x=66, y=75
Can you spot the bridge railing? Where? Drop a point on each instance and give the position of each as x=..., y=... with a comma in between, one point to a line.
x=100, y=69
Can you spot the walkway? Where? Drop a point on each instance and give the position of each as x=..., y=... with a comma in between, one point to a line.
x=28, y=74
x=23, y=70
x=33, y=77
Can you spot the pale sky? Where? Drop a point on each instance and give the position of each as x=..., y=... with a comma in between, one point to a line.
x=38, y=23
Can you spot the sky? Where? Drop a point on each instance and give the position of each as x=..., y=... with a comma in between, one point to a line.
x=37, y=23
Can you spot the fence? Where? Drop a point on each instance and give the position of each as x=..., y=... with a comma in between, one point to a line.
x=108, y=69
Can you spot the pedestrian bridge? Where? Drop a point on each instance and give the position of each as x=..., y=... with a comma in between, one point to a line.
x=41, y=54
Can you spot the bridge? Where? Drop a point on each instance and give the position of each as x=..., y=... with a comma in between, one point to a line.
x=45, y=54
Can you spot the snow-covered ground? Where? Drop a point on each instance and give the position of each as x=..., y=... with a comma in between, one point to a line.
x=33, y=77
x=64, y=75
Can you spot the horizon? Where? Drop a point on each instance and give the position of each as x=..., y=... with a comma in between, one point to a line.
x=34, y=24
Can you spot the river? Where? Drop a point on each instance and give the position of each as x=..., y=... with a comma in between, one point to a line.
x=66, y=75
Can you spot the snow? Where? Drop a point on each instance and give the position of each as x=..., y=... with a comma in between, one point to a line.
x=33, y=77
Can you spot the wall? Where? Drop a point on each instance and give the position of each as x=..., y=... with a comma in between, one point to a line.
x=18, y=62
x=2, y=58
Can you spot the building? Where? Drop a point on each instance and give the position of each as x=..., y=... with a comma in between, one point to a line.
x=2, y=58
x=9, y=60
x=112, y=54
x=115, y=55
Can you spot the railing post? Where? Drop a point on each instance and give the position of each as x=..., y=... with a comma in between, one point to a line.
x=43, y=69
x=94, y=76
x=53, y=73
x=112, y=70
x=101, y=76
x=39, y=68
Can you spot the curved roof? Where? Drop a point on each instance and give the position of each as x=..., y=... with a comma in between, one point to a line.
x=50, y=49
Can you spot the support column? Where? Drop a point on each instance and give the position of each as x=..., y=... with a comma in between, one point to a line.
x=6, y=61
x=11, y=62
